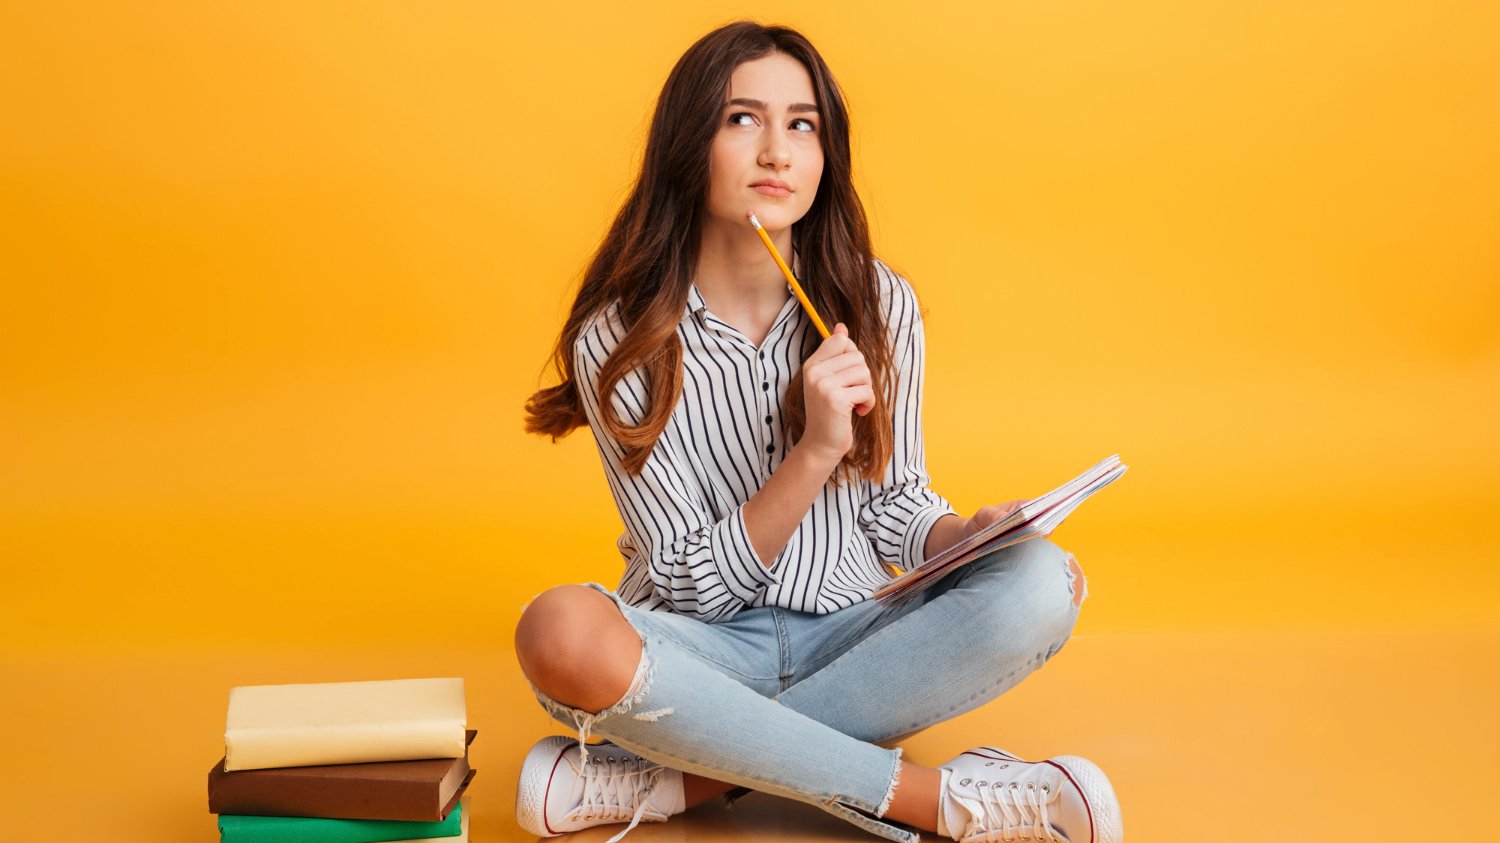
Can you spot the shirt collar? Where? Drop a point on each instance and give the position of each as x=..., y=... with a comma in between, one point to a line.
x=695, y=302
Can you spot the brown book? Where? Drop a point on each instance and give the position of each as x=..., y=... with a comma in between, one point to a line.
x=381, y=790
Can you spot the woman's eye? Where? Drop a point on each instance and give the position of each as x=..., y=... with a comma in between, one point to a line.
x=733, y=118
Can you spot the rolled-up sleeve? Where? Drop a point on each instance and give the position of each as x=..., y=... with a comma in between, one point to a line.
x=702, y=566
x=901, y=510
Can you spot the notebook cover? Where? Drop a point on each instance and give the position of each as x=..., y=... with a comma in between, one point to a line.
x=344, y=723
x=378, y=790
x=236, y=828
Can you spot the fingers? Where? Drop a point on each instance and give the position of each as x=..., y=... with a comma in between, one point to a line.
x=836, y=343
x=860, y=395
x=836, y=354
x=838, y=371
x=844, y=369
x=848, y=390
x=846, y=362
x=987, y=515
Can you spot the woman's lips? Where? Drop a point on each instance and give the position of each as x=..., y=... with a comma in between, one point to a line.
x=771, y=190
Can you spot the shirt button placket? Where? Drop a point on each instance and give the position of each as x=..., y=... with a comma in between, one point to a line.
x=765, y=386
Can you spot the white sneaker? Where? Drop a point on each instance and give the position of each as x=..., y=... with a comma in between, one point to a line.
x=989, y=795
x=558, y=793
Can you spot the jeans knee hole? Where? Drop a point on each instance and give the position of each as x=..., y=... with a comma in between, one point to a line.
x=1077, y=585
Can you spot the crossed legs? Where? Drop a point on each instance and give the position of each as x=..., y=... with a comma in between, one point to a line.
x=576, y=647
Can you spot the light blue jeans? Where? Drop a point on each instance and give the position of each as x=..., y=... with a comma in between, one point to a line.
x=798, y=704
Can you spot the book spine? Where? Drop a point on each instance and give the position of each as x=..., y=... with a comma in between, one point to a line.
x=248, y=829
x=267, y=795
x=257, y=749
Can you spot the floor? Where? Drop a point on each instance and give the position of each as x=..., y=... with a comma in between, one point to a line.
x=1215, y=736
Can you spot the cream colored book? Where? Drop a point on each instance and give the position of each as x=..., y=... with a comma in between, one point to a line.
x=344, y=723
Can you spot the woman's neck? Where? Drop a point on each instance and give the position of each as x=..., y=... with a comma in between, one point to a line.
x=738, y=278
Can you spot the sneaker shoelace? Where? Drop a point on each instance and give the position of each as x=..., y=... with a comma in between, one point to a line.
x=1007, y=812
x=612, y=788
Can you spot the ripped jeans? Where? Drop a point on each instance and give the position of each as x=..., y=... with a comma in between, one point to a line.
x=797, y=704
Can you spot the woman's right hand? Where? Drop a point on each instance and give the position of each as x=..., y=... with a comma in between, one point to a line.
x=835, y=382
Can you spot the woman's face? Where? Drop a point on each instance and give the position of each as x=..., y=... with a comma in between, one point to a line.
x=769, y=129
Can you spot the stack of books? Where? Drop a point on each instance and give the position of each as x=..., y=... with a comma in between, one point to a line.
x=344, y=762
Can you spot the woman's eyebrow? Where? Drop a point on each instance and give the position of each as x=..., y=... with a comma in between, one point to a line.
x=794, y=108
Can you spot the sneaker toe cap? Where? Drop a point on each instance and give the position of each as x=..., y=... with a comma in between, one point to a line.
x=1089, y=811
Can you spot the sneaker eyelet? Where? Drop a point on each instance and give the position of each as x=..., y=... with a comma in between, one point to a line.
x=1003, y=766
x=965, y=782
x=989, y=763
x=981, y=784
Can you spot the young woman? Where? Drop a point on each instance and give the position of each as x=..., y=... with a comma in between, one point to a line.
x=766, y=478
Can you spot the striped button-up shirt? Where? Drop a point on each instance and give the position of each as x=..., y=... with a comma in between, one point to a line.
x=685, y=545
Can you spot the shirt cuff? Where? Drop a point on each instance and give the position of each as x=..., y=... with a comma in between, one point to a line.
x=737, y=558
x=913, y=547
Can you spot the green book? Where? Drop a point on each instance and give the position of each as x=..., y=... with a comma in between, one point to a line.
x=242, y=828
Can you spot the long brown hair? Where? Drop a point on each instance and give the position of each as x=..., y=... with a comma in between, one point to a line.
x=647, y=260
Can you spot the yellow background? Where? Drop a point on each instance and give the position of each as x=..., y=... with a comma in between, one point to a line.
x=278, y=278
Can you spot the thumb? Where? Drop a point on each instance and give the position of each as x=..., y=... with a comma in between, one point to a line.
x=840, y=329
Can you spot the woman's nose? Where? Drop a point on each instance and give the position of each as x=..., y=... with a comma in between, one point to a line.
x=777, y=151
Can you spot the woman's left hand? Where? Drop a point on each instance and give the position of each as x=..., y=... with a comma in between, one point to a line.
x=988, y=515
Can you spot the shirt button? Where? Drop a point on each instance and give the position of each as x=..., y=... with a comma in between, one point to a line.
x=770, y=449
x=768, y=419
x=762, y=355
x=765, y=385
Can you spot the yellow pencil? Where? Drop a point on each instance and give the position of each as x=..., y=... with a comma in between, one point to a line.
x=796, y=288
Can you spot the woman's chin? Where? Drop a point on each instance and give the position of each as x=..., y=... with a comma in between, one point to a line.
x=772, y=218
